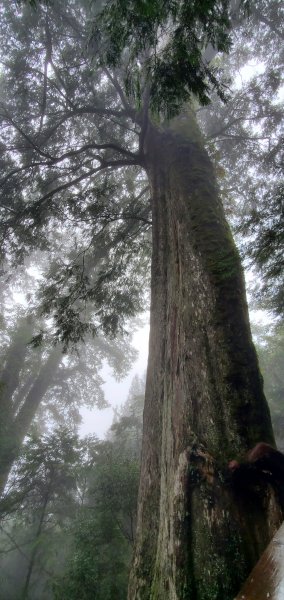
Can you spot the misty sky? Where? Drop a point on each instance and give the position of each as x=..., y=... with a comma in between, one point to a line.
x=116, y=392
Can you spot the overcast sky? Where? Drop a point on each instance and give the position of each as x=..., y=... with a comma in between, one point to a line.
x=116, y=392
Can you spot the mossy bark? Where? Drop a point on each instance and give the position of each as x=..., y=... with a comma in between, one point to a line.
x=198, y=536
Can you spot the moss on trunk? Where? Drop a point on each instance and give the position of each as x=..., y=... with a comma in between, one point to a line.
x=197, y=538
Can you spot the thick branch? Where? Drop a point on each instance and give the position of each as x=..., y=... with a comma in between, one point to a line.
x=53, y=160
x=104, y=165
x=92, y=146
x=95, y=110
x=25, y=135
x=86, y=110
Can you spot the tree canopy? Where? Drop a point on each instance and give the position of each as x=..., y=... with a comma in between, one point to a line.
x=72, y=125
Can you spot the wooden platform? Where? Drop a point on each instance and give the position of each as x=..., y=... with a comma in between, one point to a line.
x=266, y=581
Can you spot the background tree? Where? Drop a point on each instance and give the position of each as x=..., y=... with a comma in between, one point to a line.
x=68, y=520
x=42, y=500
x=105, y=526
x=44, y=384
x=126, y=431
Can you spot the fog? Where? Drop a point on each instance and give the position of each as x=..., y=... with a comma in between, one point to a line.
x=99, y=421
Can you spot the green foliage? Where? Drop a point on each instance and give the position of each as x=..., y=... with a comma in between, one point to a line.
x=44, y=470
x=245, y=139
x=105, y=527
x=98, y=569
x=43, y=511
x=73, y=189
x=76, y=165
x=100, y=560
x=39, y=384
x=126, y=431
x=111, y=286
x=72, y=185
x=39, y=501
x=162, y=46
x=69, y=512
x=263, y=227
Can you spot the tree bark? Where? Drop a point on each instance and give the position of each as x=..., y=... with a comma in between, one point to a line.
x=198, y=533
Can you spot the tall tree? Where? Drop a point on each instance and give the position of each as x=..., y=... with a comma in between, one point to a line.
x=46, y=385
x=21, y=399
x=104, y=529
x=41, y=502
x=75, y=117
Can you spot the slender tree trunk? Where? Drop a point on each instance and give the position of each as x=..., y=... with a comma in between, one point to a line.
x=9, y=381
x=14, y=362
x=17, y=428
x=10, y=377
x=198, y=535
x=35, y=548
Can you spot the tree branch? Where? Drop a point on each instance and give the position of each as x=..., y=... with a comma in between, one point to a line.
x=72, y=153
x=94, y=146
x=244, y=137
x=144, y=123
x=48, y=56
x=104, y=165
x=85, y=110
x=25, y=135
x=120, y=91
x=269, y=23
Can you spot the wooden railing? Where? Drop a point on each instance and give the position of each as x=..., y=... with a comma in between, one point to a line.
x=266, y=581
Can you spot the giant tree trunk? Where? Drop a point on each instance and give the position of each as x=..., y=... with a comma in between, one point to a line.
x=198, y=534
